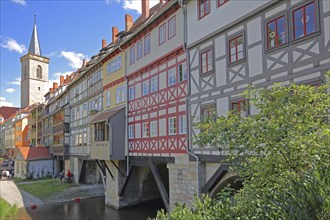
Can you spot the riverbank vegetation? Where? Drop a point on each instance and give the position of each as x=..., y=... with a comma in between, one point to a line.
x=7, y=210
x=44, y=188
x=282, y=155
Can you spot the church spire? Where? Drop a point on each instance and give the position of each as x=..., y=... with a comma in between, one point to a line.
x=34, y=43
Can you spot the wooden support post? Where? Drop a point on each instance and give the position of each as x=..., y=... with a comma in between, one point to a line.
x=160, y=186
x=122, y=189
x=102, y=168
x=106, y=166
x=80, y=168
x=117, y=168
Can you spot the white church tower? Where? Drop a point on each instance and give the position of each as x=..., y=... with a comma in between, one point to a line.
x=34, y=73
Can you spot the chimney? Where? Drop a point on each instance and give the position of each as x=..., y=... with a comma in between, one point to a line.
x=128, y=21
x=104, y=43
x=84, y=62
x=145, y=9
x=55, y=85
x=114, y=33
x=61, y=80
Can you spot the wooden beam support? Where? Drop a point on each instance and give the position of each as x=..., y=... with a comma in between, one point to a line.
x=106, y=166
x=160, y=185
x=80, y=169
x=117, y=168
x=123, y=187
x=102, y=168
x=215, y=178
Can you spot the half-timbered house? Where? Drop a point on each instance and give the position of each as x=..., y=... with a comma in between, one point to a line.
x=157, y=90
x=232, y=44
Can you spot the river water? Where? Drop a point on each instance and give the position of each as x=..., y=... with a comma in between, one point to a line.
x=90, y=209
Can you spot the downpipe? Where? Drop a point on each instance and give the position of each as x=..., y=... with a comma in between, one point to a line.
x=183, y=5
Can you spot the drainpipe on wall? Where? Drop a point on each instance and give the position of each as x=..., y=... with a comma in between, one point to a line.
x=126, y=112
x=183, y=5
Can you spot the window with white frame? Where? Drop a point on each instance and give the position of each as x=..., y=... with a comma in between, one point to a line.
x=123, y=93
x=147, y=44
x=145, y=87
x=154, y=84
x=145, y=129
x=131, y=93
x=114, y=65
x=172, y=126
x=108, y=101
x=171, y=76
x=171, y=28
x=139, y=49
x=182, y=72
x=162, y=34
x=182, y=124
x=118, y=94
x=132, y=54
x=131, y=131
x=153, y=129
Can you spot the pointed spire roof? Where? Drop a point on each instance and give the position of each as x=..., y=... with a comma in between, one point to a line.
x=34, y=43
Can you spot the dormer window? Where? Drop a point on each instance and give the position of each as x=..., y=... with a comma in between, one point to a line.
x=39, y=72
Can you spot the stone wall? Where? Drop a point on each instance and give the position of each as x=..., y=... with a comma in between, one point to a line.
x=183, y=182
x=140, y=188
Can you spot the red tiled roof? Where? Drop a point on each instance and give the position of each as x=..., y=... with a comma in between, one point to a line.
x=6, y=112
x=34, y=153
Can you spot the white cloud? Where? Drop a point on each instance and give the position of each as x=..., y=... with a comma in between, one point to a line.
x=76, y=59
x=20, y=2
x=58, y=74
x=10, y=90
x=3, y=102
x=133, y=4
x=12, y=45
x=17, y=81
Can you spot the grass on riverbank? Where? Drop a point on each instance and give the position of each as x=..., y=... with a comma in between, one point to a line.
x=7, y=210
x=45, y=188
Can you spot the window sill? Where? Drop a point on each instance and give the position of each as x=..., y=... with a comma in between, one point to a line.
x=237, y=62
x=295, y=41
x=206, y=74
x=270, y=50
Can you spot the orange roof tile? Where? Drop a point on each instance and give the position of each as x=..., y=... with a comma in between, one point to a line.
x=34, y=153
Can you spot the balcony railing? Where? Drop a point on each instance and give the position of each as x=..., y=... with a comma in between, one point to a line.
x=100, y=150
x=83, y=150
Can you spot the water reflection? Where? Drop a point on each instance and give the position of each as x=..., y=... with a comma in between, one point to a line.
x=90, y=209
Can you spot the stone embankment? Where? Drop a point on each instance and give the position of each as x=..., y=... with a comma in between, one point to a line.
x=13, y=195
x=81, y=191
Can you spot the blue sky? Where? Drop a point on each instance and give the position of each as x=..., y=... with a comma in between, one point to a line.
x=69, y=31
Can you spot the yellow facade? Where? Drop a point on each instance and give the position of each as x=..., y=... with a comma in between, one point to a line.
x=117, y=78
